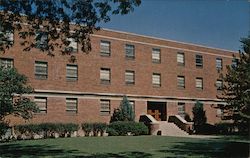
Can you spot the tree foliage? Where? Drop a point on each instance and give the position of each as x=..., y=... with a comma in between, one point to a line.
x=199, y=116
x=236, y=90
x=54, y=17
x=12, y=102
x=124, y=113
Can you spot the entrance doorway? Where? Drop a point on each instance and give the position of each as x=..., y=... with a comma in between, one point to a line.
x=157, y=110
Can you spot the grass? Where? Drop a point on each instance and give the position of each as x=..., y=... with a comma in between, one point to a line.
x=126, y=147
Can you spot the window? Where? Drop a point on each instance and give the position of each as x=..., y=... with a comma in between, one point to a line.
x=71, y=105
x=41, y=103
x=199, y=61
x=199, y=83
x=132, y=103
x=71, y=72
x=156, y=80
x=41, y=70
x=72, y=47
x=219, y=84
x=41, y=40
x=218, y=63
x=181, y=81
x=220, y=112
x=6, y=63
x=105, y=107
x=181, y=109
x=129, y=77
x=180, y=59
x=105, y=48
x=130, y=51
x=234, y=63
x=7, y=37
x=105, y=75
x=156, y=55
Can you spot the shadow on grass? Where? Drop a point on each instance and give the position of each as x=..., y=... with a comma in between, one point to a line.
x=211, y=148
x=17, y=150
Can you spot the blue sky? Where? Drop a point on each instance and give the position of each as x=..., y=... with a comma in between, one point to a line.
x=214, y=23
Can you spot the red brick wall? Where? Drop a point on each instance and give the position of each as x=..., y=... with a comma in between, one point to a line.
x=89, y=69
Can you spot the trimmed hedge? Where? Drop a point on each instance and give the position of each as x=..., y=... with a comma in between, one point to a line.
x=94, y=127
x=125, y=127
x=226, y=128
x=48, y=129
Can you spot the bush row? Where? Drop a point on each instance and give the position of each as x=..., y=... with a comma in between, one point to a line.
x=224, y=128
x=3, y=128
x=47, y=129
x=122, y=128
x=95, y=128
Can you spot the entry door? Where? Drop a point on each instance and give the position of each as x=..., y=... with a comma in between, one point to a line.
x=156, y=114
x=157, y=110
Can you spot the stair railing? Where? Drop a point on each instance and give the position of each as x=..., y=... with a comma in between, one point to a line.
x=181, y=123
x=151, y=123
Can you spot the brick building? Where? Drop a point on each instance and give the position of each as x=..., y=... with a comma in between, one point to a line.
x=160, y=77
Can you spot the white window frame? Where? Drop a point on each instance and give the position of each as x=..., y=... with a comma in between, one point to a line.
x=181, y=81
x=105, y=48
x=105, y=75
x=71, y=77
x=41, y=65
x=71, y=105
x=105, y=107
x=181, y=109
x=40, y=101
x=219, y=64
x=156, y=55
x=6, y=63
x=219, y=84
x=41, y=42
x=129, y=77
x=130, y=51
x=132, y=103
x=7, y=37
x=199, y=60
x=156, y=79
x=199, y=83
x=180, y=58
x=73, y=45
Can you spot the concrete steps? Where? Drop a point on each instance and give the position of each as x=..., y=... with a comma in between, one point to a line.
x=170, y=129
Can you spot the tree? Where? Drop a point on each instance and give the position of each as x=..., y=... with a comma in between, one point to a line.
x=54, y=18
x=12, y=102
x=199, y=116
x=236, y=89
x=124, y=113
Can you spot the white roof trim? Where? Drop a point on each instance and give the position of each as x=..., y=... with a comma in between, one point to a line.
x=168, y=40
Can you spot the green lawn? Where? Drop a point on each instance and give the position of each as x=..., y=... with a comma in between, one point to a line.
x=125, y=147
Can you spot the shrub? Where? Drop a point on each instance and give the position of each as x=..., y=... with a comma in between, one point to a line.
x=49, y=129
x=94, y=127
x=206, y=129
x=70, y=127
x=187, y=118
x=112, y=132
x=87, y=127
x=226, y=128
x=30, y=128
x=124, y=113
x=3, y=128
x=200, y=118
x=99, y=127
x=125, y=127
